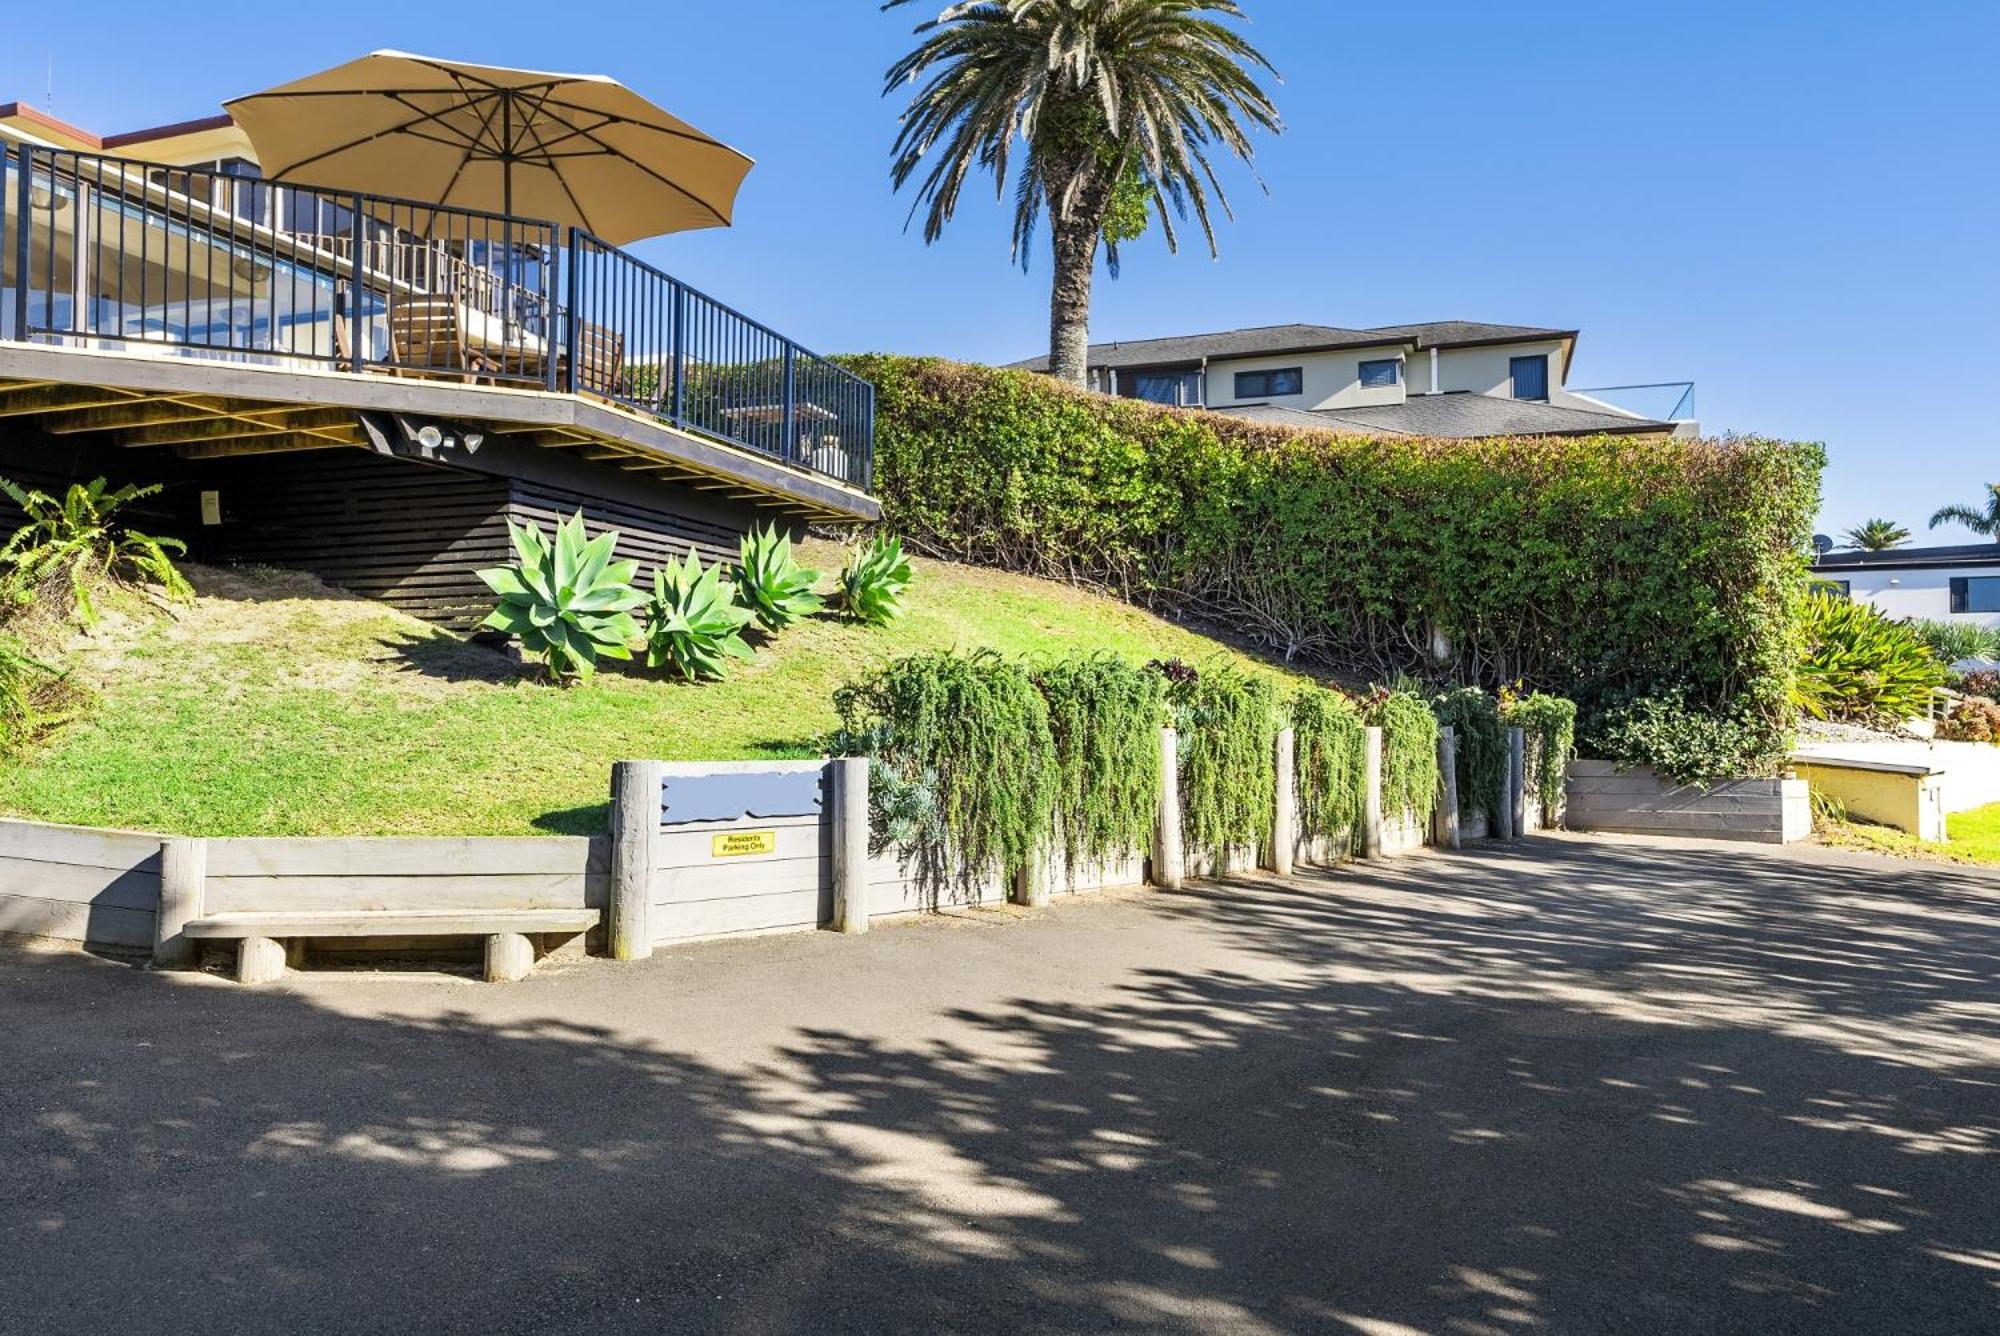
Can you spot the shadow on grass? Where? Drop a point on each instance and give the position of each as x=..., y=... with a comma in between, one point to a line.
x=1571, y=1086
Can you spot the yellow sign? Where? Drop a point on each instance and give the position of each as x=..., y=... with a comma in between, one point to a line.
x=737, y=843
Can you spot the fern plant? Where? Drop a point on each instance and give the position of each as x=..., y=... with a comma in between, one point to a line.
x=692, y=624
x=776, y=589
x=566, y=601
x=874, y=581
x=79, y=542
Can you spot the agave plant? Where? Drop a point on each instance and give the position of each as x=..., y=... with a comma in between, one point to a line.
x=567, y=601
x=693, y=624
x=1858, y=664
x=80, y=540
x=872, y=586
x=769, y=583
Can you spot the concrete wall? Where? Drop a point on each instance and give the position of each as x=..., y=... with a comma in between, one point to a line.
x=1915, y=593
x=1765, y=811
x=1909, y=798
x=79, y=884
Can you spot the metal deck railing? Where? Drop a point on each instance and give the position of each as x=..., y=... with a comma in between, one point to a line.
x=110, y=253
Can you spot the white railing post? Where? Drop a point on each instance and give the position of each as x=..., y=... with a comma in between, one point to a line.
x=848, y=812
x=183, y=883
x=1285, y=819
x=1371, y=771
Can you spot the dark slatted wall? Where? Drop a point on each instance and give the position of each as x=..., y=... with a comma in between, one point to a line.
x=409, y=534
x=647, y=532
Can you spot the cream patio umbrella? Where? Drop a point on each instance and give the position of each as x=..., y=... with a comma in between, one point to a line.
x=574, y=149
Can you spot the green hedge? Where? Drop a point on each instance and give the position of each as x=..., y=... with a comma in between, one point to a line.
x=1227, y=723
x=1409, y=752
x=1599, y=568
x=1480, y=759
x=1331, y=745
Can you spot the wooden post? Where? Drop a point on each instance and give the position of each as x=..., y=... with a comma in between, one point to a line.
x=1517, y=776
x=1373, y=793
x=1285, y=820
x=1371, y=808
x=635, y=827
x=259, y=960
x=1031, y=882
x=848, y=811
x=183, y=881
x=1169, y=861
x=1447, y=808
x=509, y=956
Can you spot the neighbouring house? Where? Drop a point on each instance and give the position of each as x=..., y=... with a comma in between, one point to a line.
x=370, y=388
x=1446, y=378
x=1946, y=584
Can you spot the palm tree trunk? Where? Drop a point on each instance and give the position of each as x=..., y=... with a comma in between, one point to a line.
x=1077, y=231
x=1069, y=300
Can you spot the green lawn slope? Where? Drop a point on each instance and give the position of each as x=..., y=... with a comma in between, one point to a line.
x=277, y=706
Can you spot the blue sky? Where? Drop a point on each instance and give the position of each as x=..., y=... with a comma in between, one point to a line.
x=1793, y=205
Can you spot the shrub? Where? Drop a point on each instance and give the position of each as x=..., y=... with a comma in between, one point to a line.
x=1974, y=719
x=1228, y=726
x=965, y=740
x=1481, y=748
x=1104, y=724
x=1409, y=751
x=1858, y=664
x=1330, y=744
x=1984, y=682
x=1590, y=567
x=692, y=626
x=1953, y=641
x=1686, y=745
x=1548, y=724
x=770, y=583
x=874, y=581
x=79, y=541
x=567, y=602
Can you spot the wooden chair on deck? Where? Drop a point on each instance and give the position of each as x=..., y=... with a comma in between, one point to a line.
x=427, y=337
x=600, y=361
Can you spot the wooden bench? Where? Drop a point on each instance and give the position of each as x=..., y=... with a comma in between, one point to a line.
x=510, y=951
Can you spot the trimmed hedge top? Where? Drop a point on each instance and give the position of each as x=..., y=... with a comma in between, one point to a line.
x=1601, y=568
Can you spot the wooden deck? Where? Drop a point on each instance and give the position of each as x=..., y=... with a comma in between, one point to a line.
x=200, y=408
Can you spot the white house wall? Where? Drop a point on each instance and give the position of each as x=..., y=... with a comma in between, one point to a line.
x=1331, y=380
x=1915, y=593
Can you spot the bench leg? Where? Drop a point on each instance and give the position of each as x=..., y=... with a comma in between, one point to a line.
x=509, y=956
x=260, y=960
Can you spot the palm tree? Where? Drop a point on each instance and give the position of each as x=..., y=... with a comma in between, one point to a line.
x=1109, y=99
x=1985, y=522
x=1877, y=535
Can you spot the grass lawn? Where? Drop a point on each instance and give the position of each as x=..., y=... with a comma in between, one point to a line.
x=1974, y=837
x=278, y=707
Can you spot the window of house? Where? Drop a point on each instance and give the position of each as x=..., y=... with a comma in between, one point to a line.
x=1180, y=388
x=1382, y=374
x=1531, y=376
x=1270, y=384
x=1838, y=588
x=1975, y=593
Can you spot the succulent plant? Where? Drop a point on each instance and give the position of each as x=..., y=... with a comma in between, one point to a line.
x=872, y=586
x=567, y=601
x=776, y=589
x=692, y=624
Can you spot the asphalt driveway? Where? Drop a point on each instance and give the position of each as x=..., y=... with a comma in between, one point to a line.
x=1582, y=1085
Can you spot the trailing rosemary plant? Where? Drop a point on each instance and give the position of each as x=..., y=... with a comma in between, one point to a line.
x=1104, y=723
x=1481, y=741
x=1409, y=751
x=973, y=732
x=1228, y=723
x=1331, y=745
x=1549, y=723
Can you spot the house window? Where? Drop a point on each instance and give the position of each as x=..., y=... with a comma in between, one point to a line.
x=1270, y=384
x=1180, y=388
x=1382, y=374
x=1837, y=588
x=1975, y=593
x=1531, y=376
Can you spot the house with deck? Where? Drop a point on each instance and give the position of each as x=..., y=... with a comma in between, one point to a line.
x=1447, y=378
x=369, y=386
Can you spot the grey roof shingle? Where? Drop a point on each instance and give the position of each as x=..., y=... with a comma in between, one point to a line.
x=1270, y=340
x=1455, y=416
